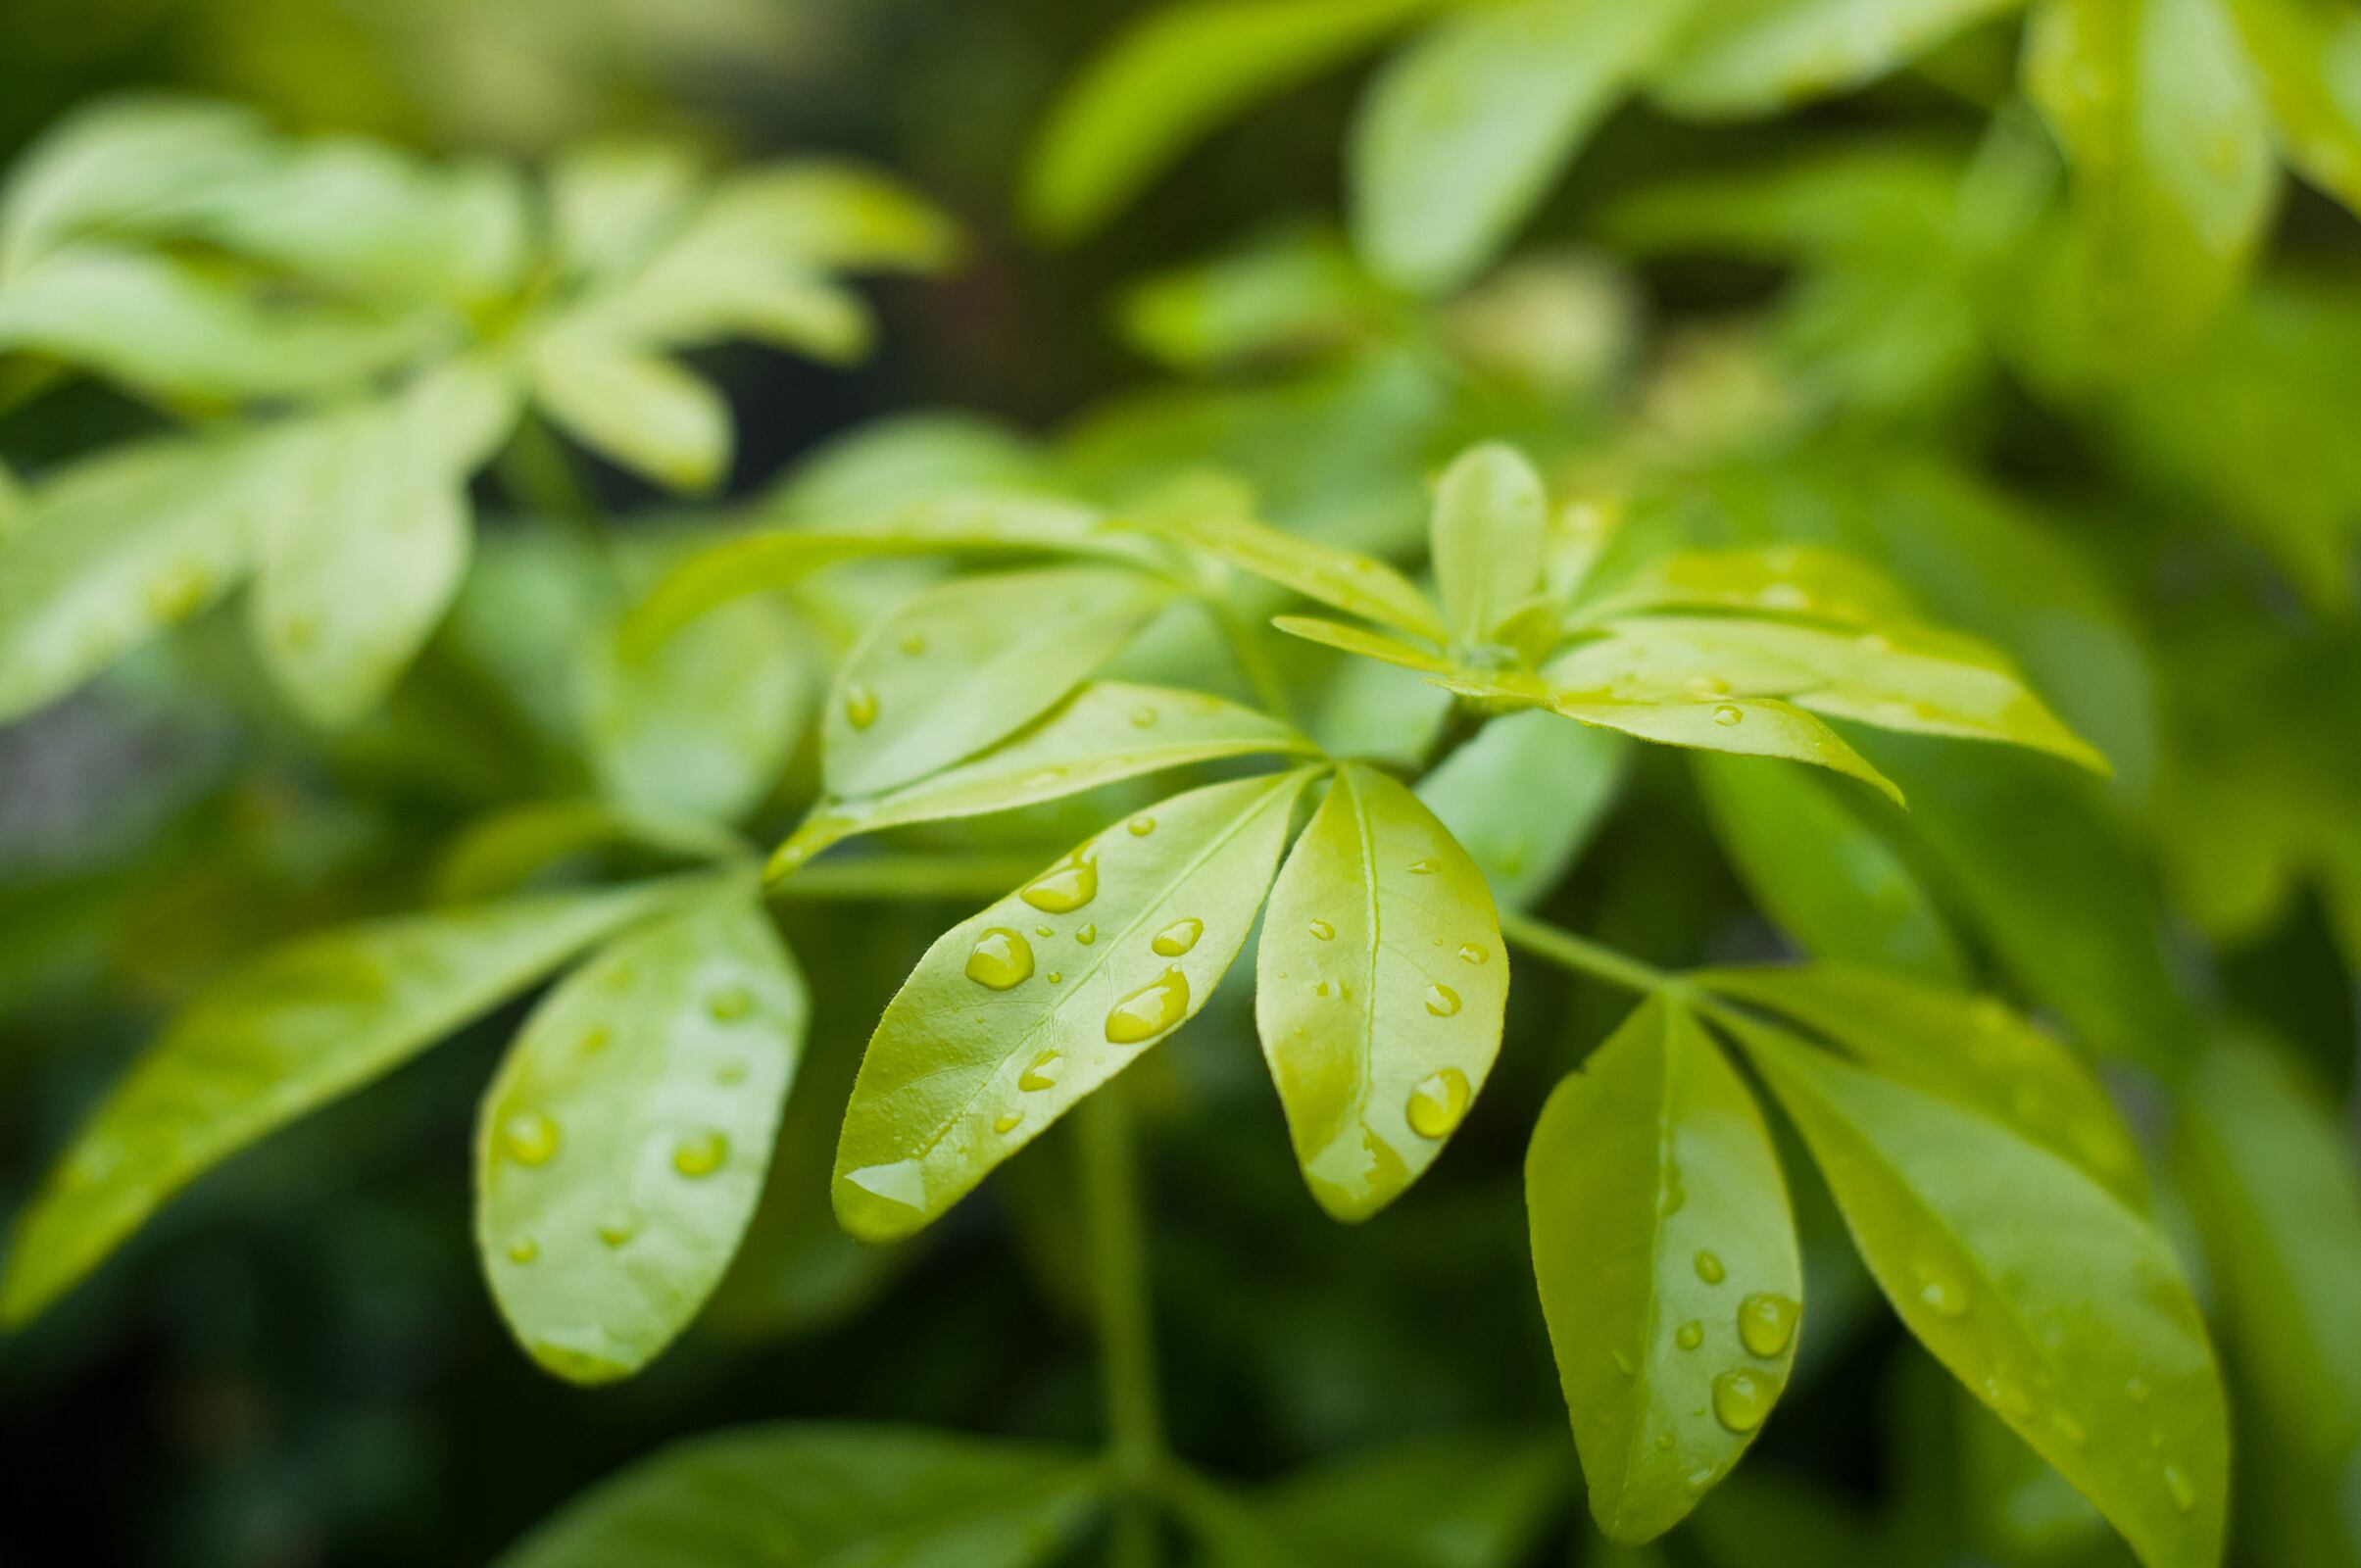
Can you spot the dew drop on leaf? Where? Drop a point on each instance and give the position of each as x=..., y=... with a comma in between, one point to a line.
x=1000, y=959
x=700, y=1153
x=1322, y=930
x=524, y=1249
x=1177, y=937
x=860, y=707
x=1766, y=1323
x=1143, y=719
x=1706, y=686
x=1038, y=1075
x=1150, y=1010
x=618, y=1225
x=1053, y=976
x=1064, y=887
x=1709, y=1268
x=1045, y=931
x=1441, y=1001
x=1470, y=952
x=1438, y=1103
x=1141, y=827
x=1690, y=1335
x=1424, y=867
x=731, y=1002
x=1726, y=714
x=1007, y=1121
x=1742, y=1397
x=2176, y=1482
x=529, y=1137
x=1941, y=1292
x=1087, y=935
x=902, y=1183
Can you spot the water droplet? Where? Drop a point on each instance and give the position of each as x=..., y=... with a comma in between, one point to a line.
x=1438, y=1103
x=1045, y=931
x=904, y=1182
x=1766, y=1324
x=1706, y=686
x=1691, y=1334
x=1322, y=930
x=618, y=1225
x=1002, y=958
x=1728, y=714
x=1055, y=977
x=1742, y=1397
x=1441, y=1001
x=913, y=645
x=1064, y=887
x=1709, y=1268
x=1008, y=1122
x=1623, y=1365
x=733, y=1001
x=595, y=1041
x=1143, y=719
x=1177, y=937
x=2177, y=1481
x=1038, y=1076
x=529, y=1137
x=1150, y=1010
x=1319, y=988
x=860, y=707
x=730, y=1073
x=524, y=1249
x=2068, y=1427
x=1141, y=827
x=1942, y=1291
x=1424, y=867
x=1470, y=952
x=700, y=1153
x=1087, y=935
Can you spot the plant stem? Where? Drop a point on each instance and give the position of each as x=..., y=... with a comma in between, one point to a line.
x=1585, y=957
x=1111, y=1215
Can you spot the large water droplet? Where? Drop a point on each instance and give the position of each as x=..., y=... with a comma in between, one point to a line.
x=524, y=1249
x=1150, y=1010
x=903, y=1183
x=1728, y=714
x=1743, y=1398
x=730, y=1002
x=529, y=1137
x=1086, y=935
x=1064, y=887
x=860, y=706
x=1438, y=1103
x=1000, y=959
x=1709, y=1268
x=1470, y=952
x=1766, y=1323
x=1007, y=1121
x=1141, y=827
x=1690, y=1335
x=1038, y=1076
x=1177, y=937
x=700, y=1153
x=1441, y=1001
x=1322, y=930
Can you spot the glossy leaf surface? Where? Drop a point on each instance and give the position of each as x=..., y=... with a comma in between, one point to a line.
x=1341, y=578
x=1490, y=513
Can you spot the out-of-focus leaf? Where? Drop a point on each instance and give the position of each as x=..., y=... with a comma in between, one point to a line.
x=1109, y=730
x=1820, y=872
x=1343, y=578
x=1490, y=511
x=880, y=1496
x=611, y=203
x=623, y=1145
x=1018, y=1012
x=503, y=852
x=640, y=408
x=114, y=161
x=1345, y=638
x=1441, y=1502
x=2051, y=1302
x=958, y=666
x=1463, y=131
x=1666, y=1253
x=1172, y=78
x=1295, y=291
x=1751, y=57
x=293, y=1029
x=2304, y=49
x=1779, y=580
x=2270, y=1177
x=1379, y=990
x=1524, y=796
x=1970, y=1050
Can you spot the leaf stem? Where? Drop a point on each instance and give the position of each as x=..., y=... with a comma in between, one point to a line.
x=1111, y=1218
x=1585, y=957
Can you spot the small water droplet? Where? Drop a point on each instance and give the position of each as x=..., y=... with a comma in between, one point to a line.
x=1709, y=1268
x=731, y=1002
x=1055, y=977
x=1424, y=867
x=1000, y=959
x=1623, y=1365
x=2177, y=1481
x=1150, y=1010
x=1728, y=714
x=1441, y=1001
x=529, y=1137
x=1141, y=827
x=1766, y=1324
x=860, y=707
x=1038, y=1076
x=1064, y=887
x=1045, y=931
x=1008, y=1122
x=1942, y=1291
x=524, y=1249
x=1438, y=1103
x=1087, y=935
x=1322, y=930
x=1706, y=686
x=700, y=1153
x=1664, y=1442
x=1177, y=937
x=730, y=1073
x=913, y=645
x=1690, y=1335
x=618, y=1225
x=1470, y=952
x=1143, y=719
x=1742, y=1397
x=595, y=1041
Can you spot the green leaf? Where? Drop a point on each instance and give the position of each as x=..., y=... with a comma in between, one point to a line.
x=876, y=1497
x=1490, y=516
x=507, y=849
x=1666, y=1253
x=1448, y=1500
x=1777, y=580
x=2050, y=1300
x=613, y=203
x=1754, y=57
x=2302, y=51
x=1299, y=290
x=1343, y=578
x=1379, y=990
x=1525, y=796
x=2270, y=1177
x=364, y=560
x=623, y=1145
x=2170, y=145
x=1350, y=639
x=294, y=1028
x=956, y=667
x=640, y=408
x=1970, y=1050
x=1462, y=132
x=1109, y=730
x=1172, y=78
x=1820, y=872
x=981, y=1048
x=113, y=161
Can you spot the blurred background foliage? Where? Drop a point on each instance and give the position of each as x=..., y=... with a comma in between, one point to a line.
x=1861, y=321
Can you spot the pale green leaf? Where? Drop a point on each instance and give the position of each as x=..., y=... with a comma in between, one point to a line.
x=1490, y=515
x=623, y=1145
x=1349, y=639
x=1295, y=291
x=2305, y=53
x=1752, y=57
x=502, y=852
x=981, y=1048
x=784, y=1497
x=1465, y=129
x=821, y=214
x=1174, y=77
x=1971, y=1049
x=1109, y=730
x=1341, y=578
x=2050, y=1300
x=956, y=667
x=114, y=161
x=1524, y=797
x=291, y=1030
x=1800, y=580
x=640, y=408
x=1820, y=872
x=1379, y=990
x=611, y=203
x=1666, y=1253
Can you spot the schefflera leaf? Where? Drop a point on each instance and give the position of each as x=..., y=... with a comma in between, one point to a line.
x=1020, y=1010
x=1344, y=580
x=962, y=665
x=1490, y=513
x=880, y=1496
x=2048, y=1298
x=621, y=1148
x=1666, y=1253
x=1379, y=990
x=1109, y=730
x=295, y=1028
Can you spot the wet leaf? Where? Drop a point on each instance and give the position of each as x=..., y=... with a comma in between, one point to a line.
x=1349, y=639
x=1341, y=578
